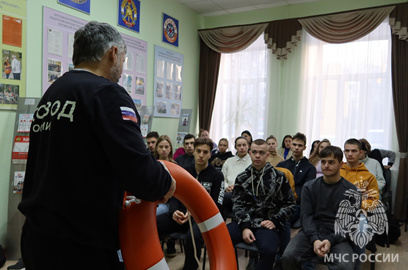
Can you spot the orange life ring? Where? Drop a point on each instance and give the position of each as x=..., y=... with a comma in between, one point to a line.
x=139, y=240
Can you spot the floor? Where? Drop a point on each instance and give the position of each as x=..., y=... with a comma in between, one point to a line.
x=400, y=249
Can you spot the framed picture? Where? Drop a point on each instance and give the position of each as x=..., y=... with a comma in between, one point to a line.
x=81, y=5
x=170, y=30
x=129, y=14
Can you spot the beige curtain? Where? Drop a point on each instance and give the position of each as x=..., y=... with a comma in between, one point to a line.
x=231, y=39
x=345, y=27
x=281, y=36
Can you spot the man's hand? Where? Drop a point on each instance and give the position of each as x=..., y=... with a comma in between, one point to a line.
x=229, y=188
x=321, y=247
x=180, y=217
x=248, y=236
x=268, y=224
x=169, y=193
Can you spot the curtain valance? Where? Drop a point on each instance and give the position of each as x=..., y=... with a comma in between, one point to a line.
x=347, y=26
x=231, y=39
x=281, y=36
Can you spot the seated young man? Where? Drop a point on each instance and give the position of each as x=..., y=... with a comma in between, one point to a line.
x=176, y=220
x=262, y=202
x=302, y=170
x=321, y=199
x=186, y=160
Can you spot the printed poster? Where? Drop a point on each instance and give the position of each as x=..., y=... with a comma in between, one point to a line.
x=20, y=150
x=18, y=182
x=58, y=39
x=134, y=74
x=24, y=122
x=13, y=41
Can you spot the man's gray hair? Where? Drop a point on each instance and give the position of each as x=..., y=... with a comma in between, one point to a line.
x=93, y=40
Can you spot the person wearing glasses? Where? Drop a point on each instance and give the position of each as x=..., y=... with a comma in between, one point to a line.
x=262, y=203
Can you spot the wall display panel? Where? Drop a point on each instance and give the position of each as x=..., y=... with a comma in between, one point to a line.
x=13, y=50
x=58, y=39
x=168, y=82
x=135, y=70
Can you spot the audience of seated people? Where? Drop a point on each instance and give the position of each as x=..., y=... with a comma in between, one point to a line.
x=264, y=195
x=176, y=220
x=314, y=158
x=219, y=157
x=286, y=149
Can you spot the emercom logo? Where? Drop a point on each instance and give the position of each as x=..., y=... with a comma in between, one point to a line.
x=360, y=216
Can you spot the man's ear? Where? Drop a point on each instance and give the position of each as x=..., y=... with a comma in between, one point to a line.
x=113, y=53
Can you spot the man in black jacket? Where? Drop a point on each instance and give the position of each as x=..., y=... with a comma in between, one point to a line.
x=321, y=199
x=86, y=149
x=302, y=170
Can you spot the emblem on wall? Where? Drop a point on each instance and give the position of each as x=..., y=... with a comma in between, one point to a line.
x=170, y=30
x=129, y=14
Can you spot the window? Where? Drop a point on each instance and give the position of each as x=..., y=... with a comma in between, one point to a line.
x=240, y=102
x=346, y=89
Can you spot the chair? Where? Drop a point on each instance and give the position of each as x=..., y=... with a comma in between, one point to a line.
x=247, y=247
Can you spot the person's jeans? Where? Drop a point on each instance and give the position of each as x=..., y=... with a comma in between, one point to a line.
x=267, y=242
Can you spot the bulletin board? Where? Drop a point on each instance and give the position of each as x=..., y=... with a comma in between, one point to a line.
x=168, y=82
x=13, y=25
x=58, y=40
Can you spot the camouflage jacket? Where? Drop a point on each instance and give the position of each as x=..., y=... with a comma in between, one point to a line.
x=255, y=199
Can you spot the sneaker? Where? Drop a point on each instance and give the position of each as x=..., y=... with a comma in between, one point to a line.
x=170, y=252
x=18, y=266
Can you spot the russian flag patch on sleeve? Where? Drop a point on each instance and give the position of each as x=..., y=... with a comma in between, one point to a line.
x=128, y=114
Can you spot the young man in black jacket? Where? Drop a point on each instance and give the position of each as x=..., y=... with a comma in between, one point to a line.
x=321, y=199
x=176, y=220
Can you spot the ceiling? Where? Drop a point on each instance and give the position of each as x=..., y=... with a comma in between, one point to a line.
x=222, y=7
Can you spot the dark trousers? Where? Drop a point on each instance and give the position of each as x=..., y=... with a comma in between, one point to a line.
x=166, y=225
x=299, y=254
x=43, y=252
x=267, y=242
